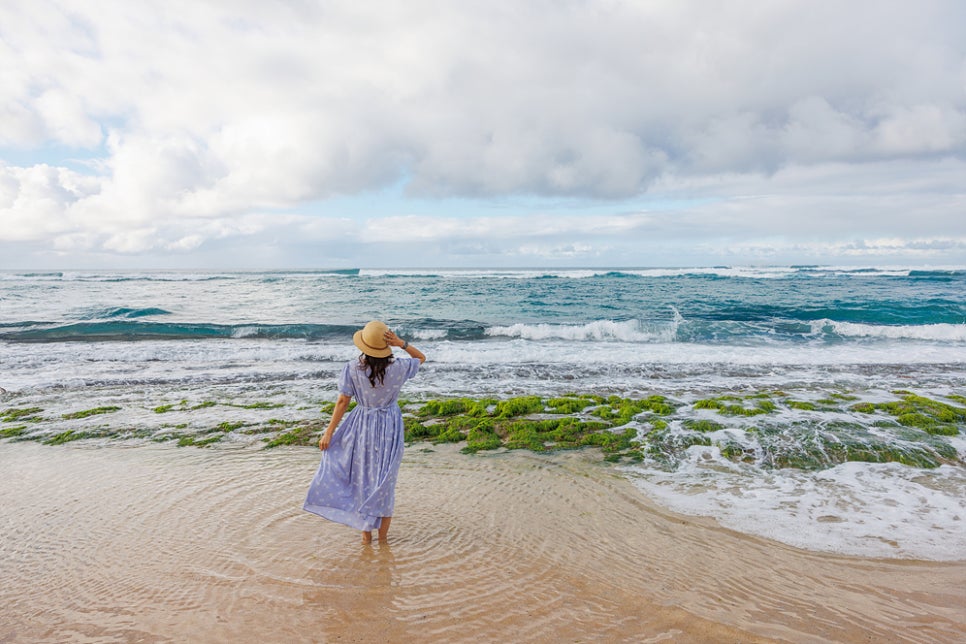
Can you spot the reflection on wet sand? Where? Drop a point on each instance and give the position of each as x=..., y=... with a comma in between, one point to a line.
x=155, y=543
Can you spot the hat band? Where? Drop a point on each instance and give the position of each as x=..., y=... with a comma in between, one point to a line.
x=363, y=341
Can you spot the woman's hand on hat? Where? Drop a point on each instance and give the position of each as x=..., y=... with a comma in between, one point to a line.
x=393, y=340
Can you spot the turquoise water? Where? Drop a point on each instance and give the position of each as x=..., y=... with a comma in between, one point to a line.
x=719, y=306
x=137, y=340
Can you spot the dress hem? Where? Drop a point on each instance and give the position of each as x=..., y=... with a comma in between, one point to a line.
x=355, y=520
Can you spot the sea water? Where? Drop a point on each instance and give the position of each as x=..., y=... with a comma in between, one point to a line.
x=140, y=341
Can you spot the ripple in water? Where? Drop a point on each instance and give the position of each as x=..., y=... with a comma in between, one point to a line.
x=160, y=544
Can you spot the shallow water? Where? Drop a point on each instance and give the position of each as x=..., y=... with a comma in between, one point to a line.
x=158, y=544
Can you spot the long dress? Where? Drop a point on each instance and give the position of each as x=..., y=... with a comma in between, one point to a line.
x=356, y=480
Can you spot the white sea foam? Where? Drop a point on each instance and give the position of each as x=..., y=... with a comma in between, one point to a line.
x=429, y=334
x=886, y=271
x=865, y=509
x=245, y=332
x=558, y=346
x=600, y=330
x=938, y=332
x=616, y=364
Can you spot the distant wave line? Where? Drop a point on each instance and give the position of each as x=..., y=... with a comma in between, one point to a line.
x=127, y=327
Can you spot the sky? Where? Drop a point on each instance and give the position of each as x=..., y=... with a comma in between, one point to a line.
x=332, y=134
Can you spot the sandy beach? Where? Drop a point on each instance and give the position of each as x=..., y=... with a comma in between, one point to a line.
x=154, y=543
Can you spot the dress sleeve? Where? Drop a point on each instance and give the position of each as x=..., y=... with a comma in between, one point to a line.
x=412, y=367
x=346, y=386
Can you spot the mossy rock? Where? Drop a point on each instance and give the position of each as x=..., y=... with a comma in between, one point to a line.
x=520, y=406
x=659, y=405
x=194, y=441
x=10, y=432
x=623, y=410
x=927, y=424
x=22, y=414
x=283, y=423
x=610, y=441
x=702, y=425
x=481, y=437
x=666, y=448
x=454, y=406
x=415, y=430
x=571, y=404
x=436, y=408
x=307, y=434
x=229, y=426
x=735, y=451
x=839, y=397
x=449, y=435
x=912, y=410
x=733, y=406
x=70, y=436
x=812, y=448
x=65, y=437
x=260, y=405
x=91, y=412
x=525, y=435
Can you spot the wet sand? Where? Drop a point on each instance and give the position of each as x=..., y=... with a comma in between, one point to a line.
x=152, y=543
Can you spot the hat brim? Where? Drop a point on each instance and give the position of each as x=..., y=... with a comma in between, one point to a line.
x=375, y=352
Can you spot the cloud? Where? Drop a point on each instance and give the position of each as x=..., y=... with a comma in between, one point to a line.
x=204, y=117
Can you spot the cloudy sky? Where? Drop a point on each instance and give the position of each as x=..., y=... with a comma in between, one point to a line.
x=318, y=133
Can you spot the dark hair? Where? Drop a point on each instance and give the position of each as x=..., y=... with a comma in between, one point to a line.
x=376, y=367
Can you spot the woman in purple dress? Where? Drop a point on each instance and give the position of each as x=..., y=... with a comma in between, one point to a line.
x=356, y=481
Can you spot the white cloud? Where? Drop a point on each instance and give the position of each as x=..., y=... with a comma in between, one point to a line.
x=922, y=129
x=205, y=117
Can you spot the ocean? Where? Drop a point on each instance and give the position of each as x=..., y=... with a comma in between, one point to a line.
x=818, y=406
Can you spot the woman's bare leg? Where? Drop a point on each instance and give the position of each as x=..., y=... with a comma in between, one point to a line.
x=367, y=536
x=384, y=528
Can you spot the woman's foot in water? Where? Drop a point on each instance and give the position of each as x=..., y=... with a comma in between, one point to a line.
x=384, y=529
x=367, y=537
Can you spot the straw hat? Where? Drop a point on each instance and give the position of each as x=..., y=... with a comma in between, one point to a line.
x=371, y=340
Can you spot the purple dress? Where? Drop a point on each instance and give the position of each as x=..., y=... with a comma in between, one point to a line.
x=356, y=481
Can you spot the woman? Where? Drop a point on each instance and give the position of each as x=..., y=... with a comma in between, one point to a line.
x=356, y=481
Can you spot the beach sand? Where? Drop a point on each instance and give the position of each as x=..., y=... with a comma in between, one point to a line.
x=152, y=543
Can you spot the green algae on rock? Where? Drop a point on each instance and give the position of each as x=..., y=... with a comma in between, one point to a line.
x=10, y=432
x=572, y=404
x=734, y=405
x=91, y=412
x=194, y=441
x=620, y=429
x=702, y=425
x=519, y=406
x=229, y=426
x=305, y=434
x=513, y=423
x=807, y=447
x=931, y=416
x=257, y=405
x=23, y=415
x=811, y=431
